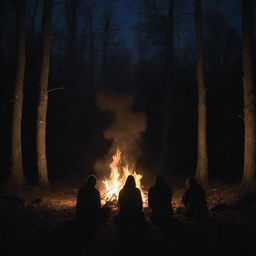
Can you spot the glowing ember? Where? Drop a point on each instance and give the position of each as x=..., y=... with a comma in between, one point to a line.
x=116, y=180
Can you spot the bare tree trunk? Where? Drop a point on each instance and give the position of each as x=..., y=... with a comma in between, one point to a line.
x=105, y=41
x=72, y=70
x=16, y=170
x=169, y=27
x=72, y=41
x=43, y=96
x=249, y=101
x=92, y=58
x=34, y=19
x=202, y=157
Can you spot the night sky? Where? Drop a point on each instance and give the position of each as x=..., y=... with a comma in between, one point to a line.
x=127, y=14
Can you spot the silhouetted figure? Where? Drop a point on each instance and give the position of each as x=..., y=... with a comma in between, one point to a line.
x=88, y=199
x=194, y=200
x=88, y=206
x=160, y=201
x=130, y=205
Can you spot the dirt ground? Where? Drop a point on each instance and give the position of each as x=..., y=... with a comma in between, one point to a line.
x=44, y=224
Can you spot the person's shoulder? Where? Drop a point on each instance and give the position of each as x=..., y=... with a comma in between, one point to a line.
x=96, y=190
x=137, y=189
x=80, y=190
x=121, y=191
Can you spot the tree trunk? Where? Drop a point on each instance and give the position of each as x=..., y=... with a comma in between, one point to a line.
x=202, y=158
x=105, y=41
x=92, y=57
x=249, y=101
x=34, y=19
x=43, y=96
x=16, y=171
x=169, y=27
x=72, y=41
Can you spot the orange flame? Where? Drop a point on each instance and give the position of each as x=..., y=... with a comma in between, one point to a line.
x=116, y=180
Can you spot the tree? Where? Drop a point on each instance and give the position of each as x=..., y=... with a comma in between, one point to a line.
x=107, y=23
x=92, y=53
x=104, y=41
x=163, y=27
x=34, y=20
x=43, y=96
x=249, y=100
x=169, y=42
x=72, y=9
x=16, y=170
x=202, y=157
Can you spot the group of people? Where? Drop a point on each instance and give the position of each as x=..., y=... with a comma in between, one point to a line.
x=131, y=206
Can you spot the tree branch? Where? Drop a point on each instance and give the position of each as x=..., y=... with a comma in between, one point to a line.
x=241, y=117
x=55, y=89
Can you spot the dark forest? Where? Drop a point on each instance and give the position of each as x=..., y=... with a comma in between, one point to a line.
x=161, y=90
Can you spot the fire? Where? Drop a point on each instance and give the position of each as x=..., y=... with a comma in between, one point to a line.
x=116, y=180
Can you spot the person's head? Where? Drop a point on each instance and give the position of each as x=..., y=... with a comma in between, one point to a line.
x=159, y=180
x=130, y=182
x=92, y=180
x=191, y=181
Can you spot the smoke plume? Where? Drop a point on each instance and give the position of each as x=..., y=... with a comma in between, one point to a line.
x=125, y=130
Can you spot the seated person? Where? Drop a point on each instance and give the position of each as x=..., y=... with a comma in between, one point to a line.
x=160, y=201
x=130, y=204
x=194, y=200
x=88, y=200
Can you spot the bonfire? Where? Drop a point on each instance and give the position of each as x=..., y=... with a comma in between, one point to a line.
x=114, y=182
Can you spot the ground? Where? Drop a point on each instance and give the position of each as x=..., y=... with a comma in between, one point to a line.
x=45, y=224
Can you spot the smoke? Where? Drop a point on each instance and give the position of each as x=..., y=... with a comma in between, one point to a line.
x=125, y=131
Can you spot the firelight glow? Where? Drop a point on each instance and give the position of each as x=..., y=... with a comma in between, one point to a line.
x=116, y=180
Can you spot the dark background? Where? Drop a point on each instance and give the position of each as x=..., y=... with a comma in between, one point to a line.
x=134, y=63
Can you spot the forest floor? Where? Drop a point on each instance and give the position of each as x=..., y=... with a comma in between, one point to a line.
x=45, y=224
